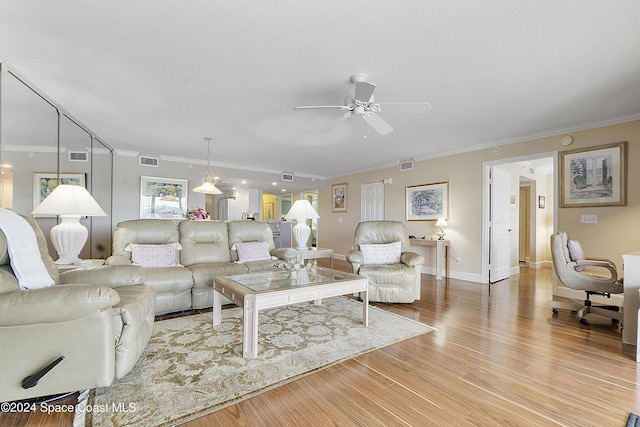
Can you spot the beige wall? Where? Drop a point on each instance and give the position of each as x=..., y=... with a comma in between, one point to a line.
x=617, y=231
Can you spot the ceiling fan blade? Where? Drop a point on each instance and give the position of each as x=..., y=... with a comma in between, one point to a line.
x=307, y=107
x=364, y=91
x=329, y=127
x=411, y=107
x=379, y=125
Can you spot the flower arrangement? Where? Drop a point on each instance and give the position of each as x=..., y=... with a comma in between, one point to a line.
x=196, y=213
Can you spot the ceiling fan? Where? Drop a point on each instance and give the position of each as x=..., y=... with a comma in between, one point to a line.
x=362, y=104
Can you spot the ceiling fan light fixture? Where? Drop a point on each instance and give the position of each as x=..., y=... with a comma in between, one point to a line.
x=209, y=181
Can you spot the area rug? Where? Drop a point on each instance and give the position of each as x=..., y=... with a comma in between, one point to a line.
x=191, y=368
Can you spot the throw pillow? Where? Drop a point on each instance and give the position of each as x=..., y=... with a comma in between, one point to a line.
x=153, y=256
x=252, y=251
x=576, y=253
x=385, y=253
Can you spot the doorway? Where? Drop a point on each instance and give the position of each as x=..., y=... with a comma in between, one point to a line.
x=541, y=171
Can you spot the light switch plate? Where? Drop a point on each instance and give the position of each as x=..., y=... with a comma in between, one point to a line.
x=589, y=219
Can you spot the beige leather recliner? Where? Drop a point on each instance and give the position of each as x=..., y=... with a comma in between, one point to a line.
x=99, y=318
x=387, y=282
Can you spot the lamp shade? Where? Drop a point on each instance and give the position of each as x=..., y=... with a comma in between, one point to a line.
x=208, y=186
x=69, y=199
x=441, y=222
x=302, y=209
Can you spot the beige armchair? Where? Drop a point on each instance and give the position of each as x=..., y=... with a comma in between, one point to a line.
x=381, y=253
x=593, y=276
x=95, y=322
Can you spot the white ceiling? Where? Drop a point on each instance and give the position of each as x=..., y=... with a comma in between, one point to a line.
x=156, y=76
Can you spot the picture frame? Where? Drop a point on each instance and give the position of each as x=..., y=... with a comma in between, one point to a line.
x=269, y=214
x=594, y=176
x=164, y=198
x=541, y=202
x=45, y=182
x=339, y=197
x=427, y=202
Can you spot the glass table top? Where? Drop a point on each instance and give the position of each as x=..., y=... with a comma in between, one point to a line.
x=282, y=279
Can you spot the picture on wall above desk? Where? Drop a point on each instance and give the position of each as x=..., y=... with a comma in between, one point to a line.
x=427, y=202
x=595, y=176
x=45, y=182
x=163, y=197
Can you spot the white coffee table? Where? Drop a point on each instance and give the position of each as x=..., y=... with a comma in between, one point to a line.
x=257, y=291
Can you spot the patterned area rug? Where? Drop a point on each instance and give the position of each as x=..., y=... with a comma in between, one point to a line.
x=191, y=368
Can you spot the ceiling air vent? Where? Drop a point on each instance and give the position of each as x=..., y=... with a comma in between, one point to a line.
x=78, y=156
x=149, y=161
x=406, y=165
x=287, y=177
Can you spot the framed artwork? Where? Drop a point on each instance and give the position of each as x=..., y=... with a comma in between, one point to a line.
x=269, y=214
x=427, y=202
x=45, y=182
x=163, y=197
x=541, y=202
x=339, y=196
x=595, y=176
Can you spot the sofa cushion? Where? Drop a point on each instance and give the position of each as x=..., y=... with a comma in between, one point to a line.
x=204, y=241
x=252, y=251
x=154, y=255
x=386, y=253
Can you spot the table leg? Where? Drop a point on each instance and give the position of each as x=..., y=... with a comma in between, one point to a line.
x=439, y=260
x=364, y=296
x=217, y=308
x=250, y=329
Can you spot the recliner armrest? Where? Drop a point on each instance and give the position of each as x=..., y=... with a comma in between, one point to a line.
x=412, y=259
x=58, y=303
x=355, y=257
x=287, y=254
x=106, y=275
x=117, y=260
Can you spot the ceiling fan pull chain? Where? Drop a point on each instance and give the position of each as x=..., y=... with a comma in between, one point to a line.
x=365, y=127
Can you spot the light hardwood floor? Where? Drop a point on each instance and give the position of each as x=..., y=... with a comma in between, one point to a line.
x=499, y=357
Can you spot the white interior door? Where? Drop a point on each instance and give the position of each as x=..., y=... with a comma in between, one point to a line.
x=372, y=206
x=499, y=222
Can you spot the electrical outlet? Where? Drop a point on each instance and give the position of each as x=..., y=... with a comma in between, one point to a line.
x=339, y=219
x=458, y=260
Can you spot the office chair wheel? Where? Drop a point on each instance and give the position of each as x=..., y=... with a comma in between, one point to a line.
x=584, y=321
x=614, y=321
x=555, y=310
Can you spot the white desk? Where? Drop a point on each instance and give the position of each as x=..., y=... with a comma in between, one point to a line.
x=442, y=253
x=631, y=268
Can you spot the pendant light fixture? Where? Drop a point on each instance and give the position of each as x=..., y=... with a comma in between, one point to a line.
x=209, y=182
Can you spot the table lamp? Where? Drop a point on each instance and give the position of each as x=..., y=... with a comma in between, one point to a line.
x=301, y=211
x=70, y=202
x=441, y=222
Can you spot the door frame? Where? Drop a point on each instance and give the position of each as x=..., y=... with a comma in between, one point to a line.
x=486, y=202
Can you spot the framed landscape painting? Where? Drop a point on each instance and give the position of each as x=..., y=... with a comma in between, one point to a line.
x=162, y=197
x=595, y=176
x=427, y=202
x=45, y=182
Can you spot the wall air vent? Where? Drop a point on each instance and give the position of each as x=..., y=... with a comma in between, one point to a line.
x=406, y=165
x=287, y=177
x=149, y=161
x=78, y=156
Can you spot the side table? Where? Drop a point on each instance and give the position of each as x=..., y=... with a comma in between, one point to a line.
x=315, y=253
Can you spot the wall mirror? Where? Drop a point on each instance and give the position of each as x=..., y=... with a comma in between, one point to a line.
x=40, y=143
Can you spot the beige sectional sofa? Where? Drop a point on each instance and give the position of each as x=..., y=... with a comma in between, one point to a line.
x=203, y=250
